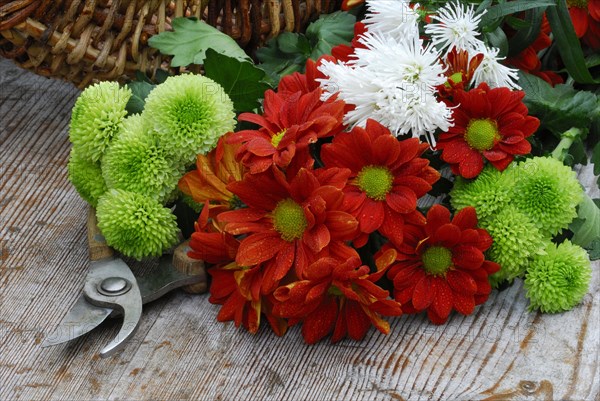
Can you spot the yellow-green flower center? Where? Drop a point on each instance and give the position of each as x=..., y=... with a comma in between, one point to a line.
x=577, y=3
x=437, y=260
x=277, y=138
x=289, y=220
x=457, y=77
x=375, y=181
x=482, y=134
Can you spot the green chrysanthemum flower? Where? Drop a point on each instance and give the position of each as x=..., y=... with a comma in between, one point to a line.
x=134, y=162
x=488, y=193
x=558, y=281
x=548, y=192
x=516, y=241
x=86, y=177
x=189, y=113
x=136, y=225
x=97, y=117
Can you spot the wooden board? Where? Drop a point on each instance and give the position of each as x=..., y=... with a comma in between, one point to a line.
x=180, y=352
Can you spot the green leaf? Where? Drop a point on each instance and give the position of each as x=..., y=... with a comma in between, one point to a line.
x=329, y=31
x=293, y=43
x=512, y=7
x=139, y=92
x=276, y=63
x=596, y=158
x=499, y=40
x=559, y=108
x=568, y=43
x=526, y=36
x=242, y=80
x=190, y=39
x=594, y=250
x=586, y=227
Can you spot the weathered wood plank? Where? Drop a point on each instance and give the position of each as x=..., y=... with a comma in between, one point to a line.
x=181, y=352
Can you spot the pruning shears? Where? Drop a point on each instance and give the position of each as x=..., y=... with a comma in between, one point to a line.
x=112, y=289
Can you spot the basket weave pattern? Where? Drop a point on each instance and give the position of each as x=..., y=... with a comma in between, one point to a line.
x=86, y=40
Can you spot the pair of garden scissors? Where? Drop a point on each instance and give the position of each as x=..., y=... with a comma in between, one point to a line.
x=111, y=289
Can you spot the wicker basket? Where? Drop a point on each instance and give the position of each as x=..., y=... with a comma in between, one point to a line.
x=82, y=41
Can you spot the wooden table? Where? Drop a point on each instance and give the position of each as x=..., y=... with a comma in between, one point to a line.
x=180, y=352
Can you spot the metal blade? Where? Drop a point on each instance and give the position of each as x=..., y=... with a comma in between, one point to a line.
x=81, y=319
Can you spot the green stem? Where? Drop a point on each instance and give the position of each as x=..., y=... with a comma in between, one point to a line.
x=566, y=140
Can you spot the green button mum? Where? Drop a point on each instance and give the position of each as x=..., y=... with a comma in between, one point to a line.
x=516, y=241
x=558, y=280
x=490, y=192
x=86, y=177
x=134, y=162
x=97, y=118
x=136, y=225
x=189, y=114
x=548, y=192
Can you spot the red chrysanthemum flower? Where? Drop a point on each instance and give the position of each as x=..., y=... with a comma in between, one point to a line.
x=585, y=15
x=490, y=124
x=289, y=124
x=208, y=182
x=388, y=176
x=290, y=223
x=460, y=68
x=441, y=265
x=340, y=297
x=236, y=288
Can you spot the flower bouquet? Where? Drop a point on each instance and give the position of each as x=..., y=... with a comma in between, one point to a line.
x=396, y=158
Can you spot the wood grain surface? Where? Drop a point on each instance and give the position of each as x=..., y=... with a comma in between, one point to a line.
x=180, y=352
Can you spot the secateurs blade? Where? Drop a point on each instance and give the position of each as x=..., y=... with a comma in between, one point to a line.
x=111, y=289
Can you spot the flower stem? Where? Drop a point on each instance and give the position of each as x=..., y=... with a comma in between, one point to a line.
x=567, y=139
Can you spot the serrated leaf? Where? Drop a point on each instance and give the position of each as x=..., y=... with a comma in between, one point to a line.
x=568, y=43
x=328, y=31
x=512, y=7
x=242, y=80
x=586, y=227
x=594, y=250
x=559, y=108
x=139, y=92
x=190, y=39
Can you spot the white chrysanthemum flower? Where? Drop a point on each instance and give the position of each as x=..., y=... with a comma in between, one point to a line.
x=353, y=86
x=457, y=27
x=492, y=72
x=403, y=63
x=401, y=107
x=422, y=114
x=393, y=17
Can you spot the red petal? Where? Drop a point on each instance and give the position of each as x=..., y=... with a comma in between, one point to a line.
x=402, y=200
x=319, y=323
x=471, y=166
x=357, y=322
x=442, y=302
x=317, y=238
x=437, y=216
x=371, y=216
x=466, y=218
x=461, y=282
x=467, y=257
x=464, y=304
x=447, y=235
x=423, y=294
x=258, y=248
x=580, y=20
